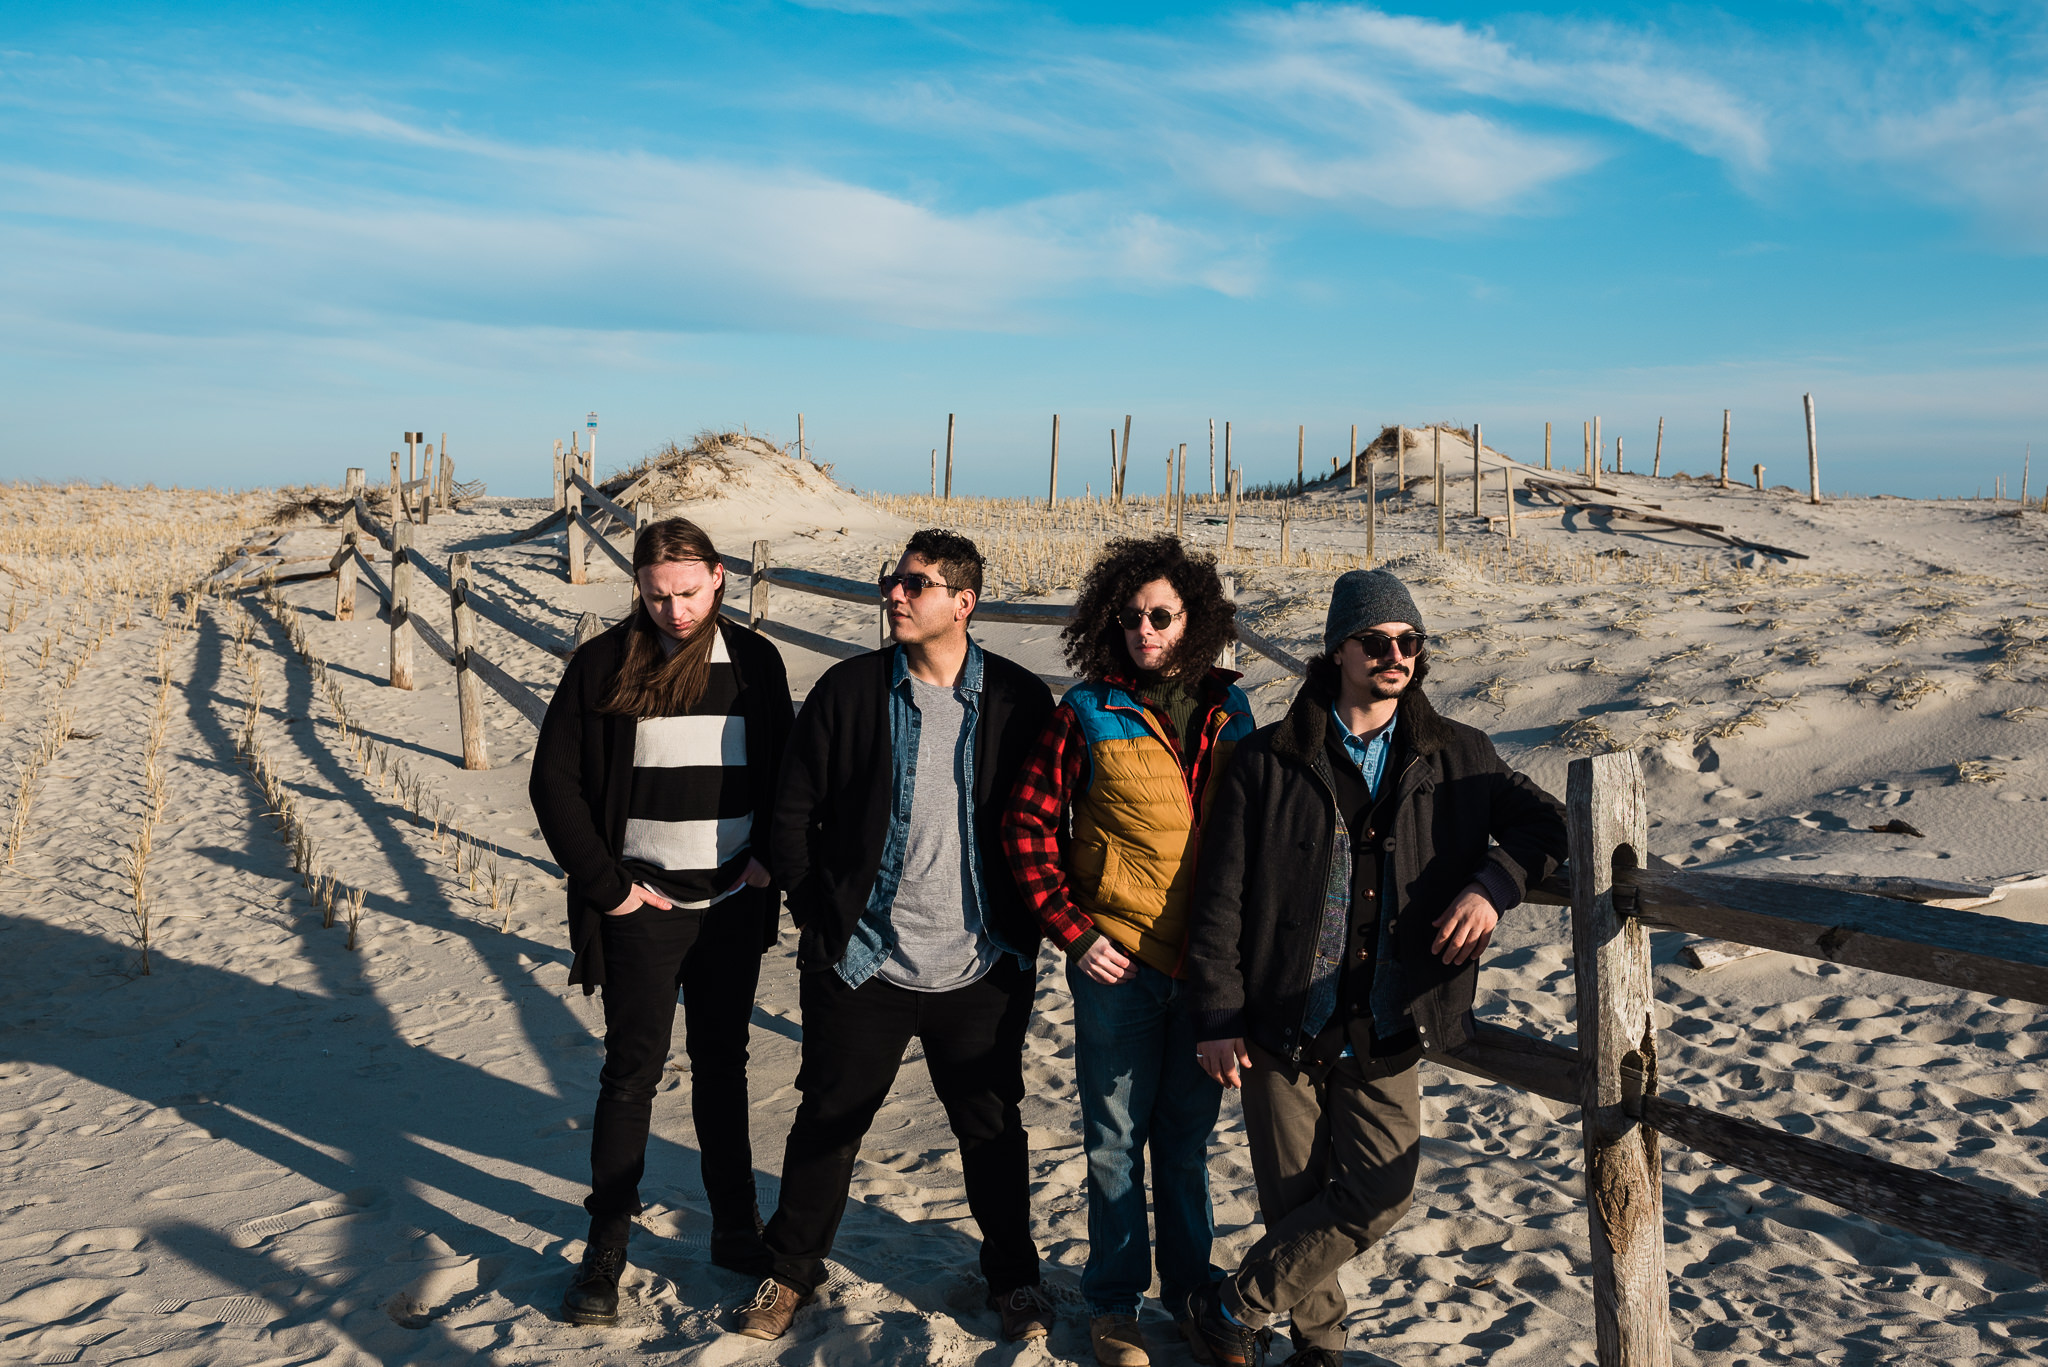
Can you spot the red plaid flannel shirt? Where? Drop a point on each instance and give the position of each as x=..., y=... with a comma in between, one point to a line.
x=1034, y=825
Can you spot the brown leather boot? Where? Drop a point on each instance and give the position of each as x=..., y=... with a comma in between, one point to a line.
x=767, y=1316
x=1026, y=1313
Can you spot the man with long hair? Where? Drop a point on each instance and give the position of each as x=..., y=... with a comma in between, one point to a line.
x=652, y=782
x=1102, y=834
x=886, y=834
x=1360, y=855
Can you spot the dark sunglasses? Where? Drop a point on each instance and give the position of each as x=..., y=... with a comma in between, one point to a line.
x=1378, y=643
x=912, y=584
x=1160, y=618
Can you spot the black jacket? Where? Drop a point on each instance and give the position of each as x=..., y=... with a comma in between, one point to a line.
x=583, y=777
x=832, y=813
x=1265, y=863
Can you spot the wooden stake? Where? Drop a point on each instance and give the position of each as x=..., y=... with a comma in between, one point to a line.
x=1599, y=452
x=426, y=478
x=1609, y=826
x=1726, y=418
x=398, y=509
x=1546, y=446
x=469, y=690
x=573, y=547
x=353, y=482
x=1657, y=458
x=1226, y=454
x=935, y=471
x=1477, y=483
x=882, y=636
x=401, y=608
x=1123, y=461
x=1589, y=450
x=1232, y=479
x=1400, y=459
x=558, y=474
x=757, y=588
x=1372, y=514
x=1351, y=458
x=949, y=457
x=1759, y=477
x=1227, y=657
x=1180, y=490
x=1052, y=494
x=1286, y=524
x=1620, y=464
x=1507, y=473
x=1813, y=458
x=1436, y=446
x=345, y=575
x=1300, y=451
x=800, y=438
x=1212, y=458
x=447, y=487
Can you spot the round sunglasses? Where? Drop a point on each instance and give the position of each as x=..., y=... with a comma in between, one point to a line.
x=1160, y=618
x=1378, y=643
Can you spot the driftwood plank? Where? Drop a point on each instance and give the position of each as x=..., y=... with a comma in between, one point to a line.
x=1277, y=654
x=1965, y=949
x=2013, y=1231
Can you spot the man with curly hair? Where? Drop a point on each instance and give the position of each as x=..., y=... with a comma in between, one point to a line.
x=1101, y=834
x=1360, y=855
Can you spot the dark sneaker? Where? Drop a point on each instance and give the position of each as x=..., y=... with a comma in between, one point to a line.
x=593, y=1298
x=1213, y=1337
x=767, y=1316
x=1026, y=1313
x=1313, y=1357
x=742, y=1250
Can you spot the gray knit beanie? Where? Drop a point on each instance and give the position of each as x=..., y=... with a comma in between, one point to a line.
x=1362, y=599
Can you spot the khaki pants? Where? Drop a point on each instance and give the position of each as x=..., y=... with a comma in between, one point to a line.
x=1334, y=1153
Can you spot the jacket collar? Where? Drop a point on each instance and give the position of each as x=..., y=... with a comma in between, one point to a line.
x=970, y=673
x=1300, y=734
x=1212, y=686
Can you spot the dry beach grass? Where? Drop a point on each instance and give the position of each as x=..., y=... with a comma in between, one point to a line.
x=342, y=1118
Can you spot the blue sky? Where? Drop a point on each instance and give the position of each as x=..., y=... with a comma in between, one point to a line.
x=253, y=244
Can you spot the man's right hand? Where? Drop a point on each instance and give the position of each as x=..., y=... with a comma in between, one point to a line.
x=1107, y=964
x=637, y=897
x=1222, y=1058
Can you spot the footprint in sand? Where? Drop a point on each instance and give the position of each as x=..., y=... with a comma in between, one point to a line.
x=358, y=1202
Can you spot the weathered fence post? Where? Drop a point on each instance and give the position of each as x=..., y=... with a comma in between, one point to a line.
x=469, y=690
x=353, y=482
x=1546, y=446
x=757, y=589
x=1477, y=482
x=345, y=575
x=1180, y=489
x=588, y=626
x=1507, y=474
x=949, y=457
x=1813, y=458
x=1227, y=657
x=1657, y=456
x=1233, y=480
x=399, y=510
x=1436, y=451
x=1727, y=415
x=1212, y=461
x=1609, y=823
x=1759, y=471
x=401, y=609
x=1300, y=453
x=426, y=479
x=1372, y=513
x=1599, y=452
x=573, y=548
x=1227, y=467
x=558, y=474
x=1052, y=493
x=1351, y=457
x=882, y=624
x=1620, y=461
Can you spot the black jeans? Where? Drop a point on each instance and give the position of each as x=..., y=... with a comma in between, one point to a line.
x=714, y=956
x=854, y=1040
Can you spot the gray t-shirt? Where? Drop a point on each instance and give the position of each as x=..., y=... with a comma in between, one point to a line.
x=939, y=941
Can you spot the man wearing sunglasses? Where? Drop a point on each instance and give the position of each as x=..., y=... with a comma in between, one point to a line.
x=1359, y=856
x=887, y=836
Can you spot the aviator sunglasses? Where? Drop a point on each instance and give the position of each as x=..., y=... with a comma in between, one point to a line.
x=912, y=584
x=1160, y=618
x=1377, y=643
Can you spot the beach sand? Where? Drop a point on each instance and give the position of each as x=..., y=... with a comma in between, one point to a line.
x=272, y=1149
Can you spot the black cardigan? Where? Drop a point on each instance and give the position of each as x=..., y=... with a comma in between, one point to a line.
x=583, y=777
x=832, y=814
x=1266, y=852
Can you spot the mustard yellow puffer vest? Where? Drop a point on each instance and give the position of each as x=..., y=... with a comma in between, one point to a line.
x=1131, y=865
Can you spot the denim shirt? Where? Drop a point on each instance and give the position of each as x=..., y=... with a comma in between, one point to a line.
x=874, y=939
x=1369, y=753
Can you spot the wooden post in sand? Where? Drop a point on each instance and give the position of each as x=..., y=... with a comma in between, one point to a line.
x=1123, y=461
x=589, y=625
x=1300, y=453
x=882, y=631
x=949, y=457
x=469, y=690
x=447, y=469
x=1476, y=481
x=401, y=605
x=1351, y=455
x=353, y=482
x=935, y=472
x=1232, y=480
x=573, y=547
x=558, y=474
x=1226, y=658
x=1400, y=459
x=757, y=587
x=1180, y=489
x=1286, y=525
x=1372, y=513
x=1608, y=818
x=1507, y=478
x=800, y=438
x=1599, y=452
x=1657, y=458
x=1227, y=467
x=426, y=479
x=1546, y=446
x=1052, y=494
x=1620, y=463
x=1589, y=449
x=398, y=509
x=1813, y=459
x=1725, y=422
x=1212, y=460
x=1436, y=449
x=1759, y=469
x=345, y=574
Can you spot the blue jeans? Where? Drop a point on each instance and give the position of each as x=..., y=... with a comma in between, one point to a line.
x=1134, y=1057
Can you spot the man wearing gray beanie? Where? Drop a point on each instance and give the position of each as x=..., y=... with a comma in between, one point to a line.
x=1359, y=854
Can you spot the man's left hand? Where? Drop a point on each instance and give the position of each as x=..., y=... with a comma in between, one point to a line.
x=1464, y=931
